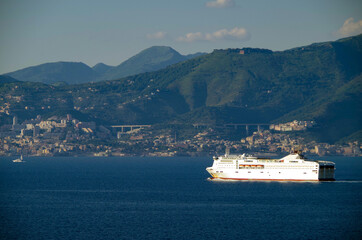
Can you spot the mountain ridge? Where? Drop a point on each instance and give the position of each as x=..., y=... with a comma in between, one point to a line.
x=148, y=60
x=50, y=73
x=101, y=68
x=320, y=82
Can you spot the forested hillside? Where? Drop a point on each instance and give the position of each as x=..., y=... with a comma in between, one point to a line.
x=320, y=82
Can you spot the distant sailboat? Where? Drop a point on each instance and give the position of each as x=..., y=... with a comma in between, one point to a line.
x=19, y=159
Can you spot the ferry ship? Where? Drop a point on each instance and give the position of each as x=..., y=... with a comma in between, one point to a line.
x=294, y=167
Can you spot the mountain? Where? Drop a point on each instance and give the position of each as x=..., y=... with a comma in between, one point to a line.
x=148, y=60
x=320, y=82
x=7, y=79
x=198, y=54
x=101, y=68
x=60, y=73
x=50, y=73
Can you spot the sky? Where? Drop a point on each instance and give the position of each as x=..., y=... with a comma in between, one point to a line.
x=111, y=31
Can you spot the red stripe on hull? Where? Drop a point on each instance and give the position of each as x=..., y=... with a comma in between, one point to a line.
x=279, y=180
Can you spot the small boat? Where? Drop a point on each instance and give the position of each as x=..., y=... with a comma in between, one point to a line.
x=19, y=159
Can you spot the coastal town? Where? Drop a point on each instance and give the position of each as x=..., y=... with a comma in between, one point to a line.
x=67, y=136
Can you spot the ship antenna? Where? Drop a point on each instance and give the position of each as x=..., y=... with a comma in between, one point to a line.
x=298, y=149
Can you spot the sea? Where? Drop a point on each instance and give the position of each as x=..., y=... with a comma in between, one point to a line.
x=170, y=198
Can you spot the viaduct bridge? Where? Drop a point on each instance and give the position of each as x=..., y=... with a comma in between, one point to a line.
x=131, y=127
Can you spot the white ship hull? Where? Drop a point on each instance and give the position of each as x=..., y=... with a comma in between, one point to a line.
x=290, y=168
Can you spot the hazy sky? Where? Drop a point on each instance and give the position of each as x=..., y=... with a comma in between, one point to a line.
x=33, y=32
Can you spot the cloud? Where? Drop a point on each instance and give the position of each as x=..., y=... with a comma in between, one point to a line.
x=350, y=27
x=191, y=37
x=222, y=34
x=233, y=34
x=156, y=35
x=220, y=4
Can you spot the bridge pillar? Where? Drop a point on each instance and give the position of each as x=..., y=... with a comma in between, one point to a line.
x=247, y=129
x=258, y=128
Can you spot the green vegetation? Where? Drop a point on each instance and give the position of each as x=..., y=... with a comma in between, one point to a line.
x=320, y=82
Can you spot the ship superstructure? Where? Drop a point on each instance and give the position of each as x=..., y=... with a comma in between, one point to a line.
x=293, y=167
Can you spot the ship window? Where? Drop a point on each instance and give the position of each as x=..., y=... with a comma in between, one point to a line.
x=304, y=173
x=249, y=172
x=236, y=172
x=261, y=172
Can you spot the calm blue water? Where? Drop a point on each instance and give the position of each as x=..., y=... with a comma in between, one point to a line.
x=170, y=198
